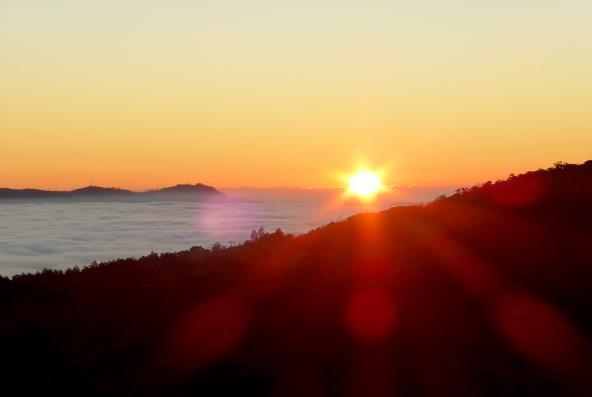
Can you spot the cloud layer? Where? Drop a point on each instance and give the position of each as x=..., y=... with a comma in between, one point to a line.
x=37, y=235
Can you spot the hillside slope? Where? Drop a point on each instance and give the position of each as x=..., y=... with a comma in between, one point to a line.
x=486, y=292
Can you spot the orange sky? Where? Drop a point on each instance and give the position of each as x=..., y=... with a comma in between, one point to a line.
x=143, y=94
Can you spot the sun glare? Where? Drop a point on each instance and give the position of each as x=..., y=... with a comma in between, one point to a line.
x=365, y=184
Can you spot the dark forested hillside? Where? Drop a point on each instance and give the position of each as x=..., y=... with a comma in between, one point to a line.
x=484, y=293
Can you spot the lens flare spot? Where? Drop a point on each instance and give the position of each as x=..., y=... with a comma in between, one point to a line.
x=370, y=314
x=210, y=331
x=541, y=333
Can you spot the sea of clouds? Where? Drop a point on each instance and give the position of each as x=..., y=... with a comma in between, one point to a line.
x=36, y=235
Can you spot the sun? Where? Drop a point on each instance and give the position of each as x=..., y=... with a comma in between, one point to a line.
x=364, y=184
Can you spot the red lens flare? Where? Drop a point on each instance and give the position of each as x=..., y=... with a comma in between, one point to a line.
x=370, y=314
x=210, y=331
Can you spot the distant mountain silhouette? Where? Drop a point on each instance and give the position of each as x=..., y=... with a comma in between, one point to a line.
x=185, y=188
x=97, y=190
x=483, y=293
x=188, y=192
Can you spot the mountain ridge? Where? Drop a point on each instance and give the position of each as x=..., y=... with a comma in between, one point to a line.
x=90, y=193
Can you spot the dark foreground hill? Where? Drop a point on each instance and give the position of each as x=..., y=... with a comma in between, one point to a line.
x=485, y=293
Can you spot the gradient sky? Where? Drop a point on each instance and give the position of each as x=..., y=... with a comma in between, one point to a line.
x=147, y=93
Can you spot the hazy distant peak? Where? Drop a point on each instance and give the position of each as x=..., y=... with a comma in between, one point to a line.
x=188, y=188
x=99, y=190
x=98, y=193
